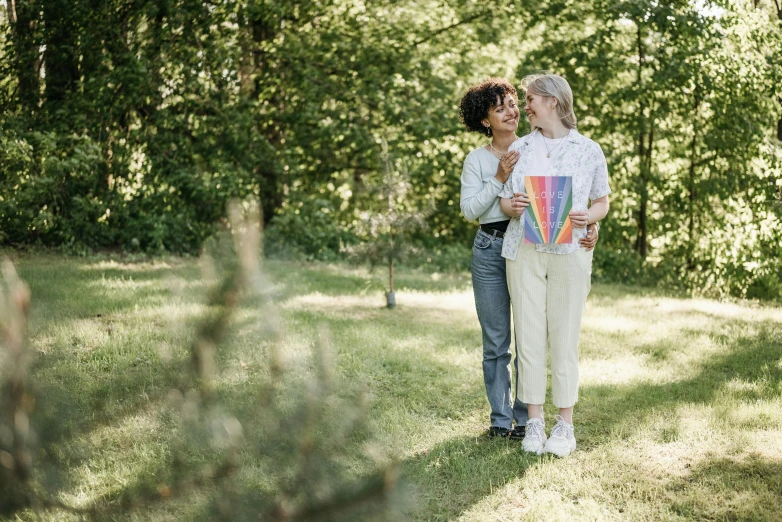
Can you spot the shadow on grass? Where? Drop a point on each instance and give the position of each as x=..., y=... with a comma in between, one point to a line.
x=749, y=358
x=747, y=489
x=451, y=476
x=448, y=486
x=457, y=473
x=88, y=400
x=65, y=291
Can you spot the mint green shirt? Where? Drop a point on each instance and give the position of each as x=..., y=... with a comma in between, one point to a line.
x=478, y=199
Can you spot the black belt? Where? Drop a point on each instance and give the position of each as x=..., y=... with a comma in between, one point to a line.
x=493, y=231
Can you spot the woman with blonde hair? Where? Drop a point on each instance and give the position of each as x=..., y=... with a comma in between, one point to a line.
x=489, y=108
x=549, y=283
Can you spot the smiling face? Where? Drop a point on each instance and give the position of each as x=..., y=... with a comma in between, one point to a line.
x=504, y=116
x=541, y=110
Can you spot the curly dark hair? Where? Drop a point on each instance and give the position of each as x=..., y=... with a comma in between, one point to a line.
x=480, y=99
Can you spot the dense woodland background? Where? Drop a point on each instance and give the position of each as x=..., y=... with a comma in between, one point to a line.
x=130, y=124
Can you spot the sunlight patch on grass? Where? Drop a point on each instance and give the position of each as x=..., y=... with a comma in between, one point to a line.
x=645, y=307
x=143, y=266
x=117, y=283
x=322, y=302
x=463, y=301
x=739, y=386
x=434, y=308
x=724, y=310
x=118, y=455
x=174, y=311
x=610, y=323
x=43, y=342
x=742, y=406
x=619, y=370
x=561, y=489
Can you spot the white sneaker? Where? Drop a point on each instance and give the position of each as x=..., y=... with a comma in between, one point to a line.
x=562, y=441
x=535, y=436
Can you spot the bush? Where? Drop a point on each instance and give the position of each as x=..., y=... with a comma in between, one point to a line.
x=454, y=257
x=306, y=237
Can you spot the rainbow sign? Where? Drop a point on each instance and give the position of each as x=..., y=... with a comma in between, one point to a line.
x=547, y=218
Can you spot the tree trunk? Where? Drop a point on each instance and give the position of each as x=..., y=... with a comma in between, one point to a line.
x=391, y=274
x=61, y=57
x=692, y=185
x=390, y=295
x=779, y=123
x=23, y=17
x=640, y=241
x=270, y=179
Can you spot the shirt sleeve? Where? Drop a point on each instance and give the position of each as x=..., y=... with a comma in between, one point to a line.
x=600, y=186
x=476, y=196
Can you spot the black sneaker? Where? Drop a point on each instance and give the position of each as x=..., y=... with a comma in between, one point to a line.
x=517, y=433
x=496, y=431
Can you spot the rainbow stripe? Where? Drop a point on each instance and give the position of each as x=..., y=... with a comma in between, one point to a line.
x=547, y=218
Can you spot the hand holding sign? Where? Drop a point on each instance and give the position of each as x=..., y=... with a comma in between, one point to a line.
x=519, y=203
x=579, y=218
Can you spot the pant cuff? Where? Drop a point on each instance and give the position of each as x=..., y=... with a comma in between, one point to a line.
x=534, y=399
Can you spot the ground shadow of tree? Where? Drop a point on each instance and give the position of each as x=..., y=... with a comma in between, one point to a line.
x=748, y=358
x=455, y=474
x=445, y=494
x=743, y=485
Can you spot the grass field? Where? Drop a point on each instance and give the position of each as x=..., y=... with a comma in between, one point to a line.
x=679, y=418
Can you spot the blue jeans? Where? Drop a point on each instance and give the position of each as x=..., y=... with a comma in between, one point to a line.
x=492, y=301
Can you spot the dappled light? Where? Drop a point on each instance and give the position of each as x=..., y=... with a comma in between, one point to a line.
x=130, y=126
x=679, y=397
x=265, y=260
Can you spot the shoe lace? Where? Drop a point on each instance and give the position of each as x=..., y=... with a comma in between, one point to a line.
x=561, y=430
x=535, y=427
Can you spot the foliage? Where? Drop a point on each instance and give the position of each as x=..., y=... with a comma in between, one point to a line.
x=17, y=439
x=130, y=125
x=682, y=99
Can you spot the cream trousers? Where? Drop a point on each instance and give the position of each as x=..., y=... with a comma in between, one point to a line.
x=548, y=293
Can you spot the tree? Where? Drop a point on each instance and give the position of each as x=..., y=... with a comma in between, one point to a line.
x=390, y=226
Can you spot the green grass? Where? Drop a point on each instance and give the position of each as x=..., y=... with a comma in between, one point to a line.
x=679, y=417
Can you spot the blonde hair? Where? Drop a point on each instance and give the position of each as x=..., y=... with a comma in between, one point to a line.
x=554, y=86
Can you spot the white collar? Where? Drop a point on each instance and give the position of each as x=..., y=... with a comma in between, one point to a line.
x=574, y=136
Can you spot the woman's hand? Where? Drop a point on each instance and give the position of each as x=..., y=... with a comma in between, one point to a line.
x=507, y=162
x=519, y=203
x=515, y=207
x=590, y=240
x=579, y=218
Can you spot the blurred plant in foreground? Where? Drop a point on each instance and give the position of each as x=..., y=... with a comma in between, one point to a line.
x=16, y=403
x=272, y=450
x=294, y=427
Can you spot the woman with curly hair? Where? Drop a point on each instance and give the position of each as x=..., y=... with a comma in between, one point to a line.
x=490, y=108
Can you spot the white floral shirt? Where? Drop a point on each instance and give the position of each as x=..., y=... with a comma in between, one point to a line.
x=579, y=157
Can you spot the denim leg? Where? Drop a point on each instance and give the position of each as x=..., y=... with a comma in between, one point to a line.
x=492, y=301
x=520, y=413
